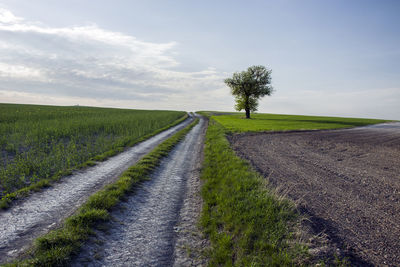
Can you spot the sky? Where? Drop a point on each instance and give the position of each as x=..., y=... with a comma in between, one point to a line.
x=331, y=57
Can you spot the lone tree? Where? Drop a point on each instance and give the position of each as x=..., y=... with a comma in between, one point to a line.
x=249, y=86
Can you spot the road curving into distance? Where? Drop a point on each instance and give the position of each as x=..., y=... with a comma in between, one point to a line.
x=43, y=211
x=143, y=229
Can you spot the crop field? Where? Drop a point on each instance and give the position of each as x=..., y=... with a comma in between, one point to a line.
x=273, y=192
x=39, y=142
x=322, y=174
x=345, y=181
x=276, y=122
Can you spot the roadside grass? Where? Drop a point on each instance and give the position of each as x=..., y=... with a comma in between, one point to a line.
x=275, y=122
x=58, y=246
x=247, y=224
x=51, y=142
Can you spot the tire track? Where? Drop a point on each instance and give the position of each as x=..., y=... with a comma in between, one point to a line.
x=143, y=229
x=44, y=210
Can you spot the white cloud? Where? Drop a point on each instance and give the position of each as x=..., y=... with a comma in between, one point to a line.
x=7, y=17
x=91, y=62
x=89, y=65
x=20, y=72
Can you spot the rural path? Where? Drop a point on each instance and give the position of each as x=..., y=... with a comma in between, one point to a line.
x=44, y=210
x=347, y=181
x=144, y=228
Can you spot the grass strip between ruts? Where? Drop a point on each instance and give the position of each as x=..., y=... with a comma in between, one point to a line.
x=7, y=200
x=247, y=224
x=58, y=246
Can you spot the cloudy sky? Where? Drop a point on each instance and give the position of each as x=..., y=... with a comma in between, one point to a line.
x=333, y=57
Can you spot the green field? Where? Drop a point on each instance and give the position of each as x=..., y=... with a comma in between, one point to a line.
x=275, y=122
x=247, y=223
x=39, y=142
x=57, y=247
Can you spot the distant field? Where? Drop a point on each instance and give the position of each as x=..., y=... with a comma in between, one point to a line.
x=274, y=122
x=37, y=142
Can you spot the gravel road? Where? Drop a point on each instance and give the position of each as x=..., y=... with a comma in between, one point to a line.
x=347, y=181
x=44, y=210
x=144, y=228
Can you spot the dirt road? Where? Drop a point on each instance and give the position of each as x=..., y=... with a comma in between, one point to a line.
x=42, y=211
x=144, y=227
x=348, y=181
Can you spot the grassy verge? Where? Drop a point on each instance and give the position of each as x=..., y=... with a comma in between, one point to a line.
x=6, y=200
x=57, y=247
x=276, y=122
x=247, y=224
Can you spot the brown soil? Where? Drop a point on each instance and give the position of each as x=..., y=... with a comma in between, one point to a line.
x=346, y=181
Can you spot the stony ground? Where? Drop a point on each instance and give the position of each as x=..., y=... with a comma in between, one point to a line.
x=190, y=244
x=156, y=224
x=346, y=181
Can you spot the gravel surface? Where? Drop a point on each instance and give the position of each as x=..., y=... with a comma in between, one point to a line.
x=190, y=243
x=144, y=227
x=44, y=210
x=346, y=181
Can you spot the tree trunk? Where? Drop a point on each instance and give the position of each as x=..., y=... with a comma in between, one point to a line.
x=247, y=113
x=247, y=107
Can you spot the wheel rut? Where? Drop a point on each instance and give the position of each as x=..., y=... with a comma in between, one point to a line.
x=143, y=229
x=45, y=210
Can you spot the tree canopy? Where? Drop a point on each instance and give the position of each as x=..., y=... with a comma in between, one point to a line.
x=249, y=86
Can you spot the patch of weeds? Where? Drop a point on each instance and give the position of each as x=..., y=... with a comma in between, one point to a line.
x=343, y=262
x=89, y=163
x=98, y=256
x=189, y=251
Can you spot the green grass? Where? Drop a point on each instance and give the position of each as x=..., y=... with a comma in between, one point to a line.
x=247, y=224
x=276, y=122
x=58, y=246
x=40, y=144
